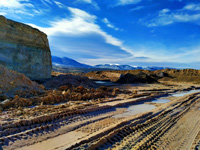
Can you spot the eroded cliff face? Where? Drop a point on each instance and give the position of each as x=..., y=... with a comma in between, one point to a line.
x=24, y=49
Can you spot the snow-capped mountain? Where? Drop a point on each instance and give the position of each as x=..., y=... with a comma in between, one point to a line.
x=67, y=63
x=114, y=66
x=127, y=67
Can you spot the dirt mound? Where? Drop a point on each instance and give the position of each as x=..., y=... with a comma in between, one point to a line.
x=185, y=75
x=69, y=80
x=104, y=75
x=175, y=75
x=14, y=83
x=140, y=78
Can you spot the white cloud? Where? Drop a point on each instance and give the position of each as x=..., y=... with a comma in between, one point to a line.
x=136, y=8
x=38, y=12
x=18, y=8
x=15, y=4
x=48, y=1
x=165, y=11
x=80, y=23
x=163, y=20
x=110, y=25
x=192, y=7
x=87, y=1
x=3, y=13
x=91, y=2
x=189, y=13
x=59, y=4
x=127, y=2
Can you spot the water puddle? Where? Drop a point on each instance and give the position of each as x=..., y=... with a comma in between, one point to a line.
x=185, y=93
x=141, y=107
x=105, y=83
x=161, y=101
x=135, y=109
x=32, y=106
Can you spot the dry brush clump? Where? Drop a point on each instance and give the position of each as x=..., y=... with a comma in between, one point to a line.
x=63, y=94
x=17, y=102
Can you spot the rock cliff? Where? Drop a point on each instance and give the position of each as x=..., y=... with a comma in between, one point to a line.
x=24, y=49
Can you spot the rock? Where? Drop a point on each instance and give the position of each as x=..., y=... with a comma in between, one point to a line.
x=19, y=112
x=24, y=49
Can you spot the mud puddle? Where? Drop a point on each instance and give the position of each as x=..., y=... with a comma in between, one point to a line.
x=179, y=94
x=161, y=101
x=135, y=109
x=105, y=83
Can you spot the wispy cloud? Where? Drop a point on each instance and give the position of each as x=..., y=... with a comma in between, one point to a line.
x=163, y=11
x=192, y=7
x=3, y=13
x=110, y=25
x=189, y=13
x=136, y=8
x=127, y=2
x=15, y=4
x=16, y=7
x=59, y=4
x=91, y=2
x=80, y=23
x=47, y=2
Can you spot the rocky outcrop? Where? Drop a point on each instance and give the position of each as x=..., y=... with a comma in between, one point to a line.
x=24, y=49
x=13, y=83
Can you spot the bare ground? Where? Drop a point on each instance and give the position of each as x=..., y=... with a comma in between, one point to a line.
x=173, y=125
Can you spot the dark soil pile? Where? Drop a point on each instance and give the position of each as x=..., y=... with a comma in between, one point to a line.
x=70, y=81
x=139, y=78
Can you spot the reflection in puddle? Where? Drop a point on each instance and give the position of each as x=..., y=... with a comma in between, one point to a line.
x=185, y=93
x=105, y=83
x=141, y=108
x=160, y=101
x=135, y=109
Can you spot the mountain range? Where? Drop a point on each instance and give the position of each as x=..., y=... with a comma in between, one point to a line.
x=127, y=67
x=68, y=63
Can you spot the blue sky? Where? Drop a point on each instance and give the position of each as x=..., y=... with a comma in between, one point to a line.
x=135, y=32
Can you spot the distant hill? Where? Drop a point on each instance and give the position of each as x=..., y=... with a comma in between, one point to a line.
x=66, y=62
x=68, y=65
x=126, y=67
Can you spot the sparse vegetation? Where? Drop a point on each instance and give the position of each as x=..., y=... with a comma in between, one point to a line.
x=63, y=94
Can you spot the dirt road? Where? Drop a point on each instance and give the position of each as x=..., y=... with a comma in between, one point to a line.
x=172, y=125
